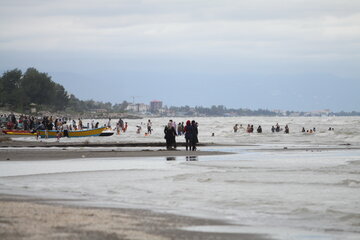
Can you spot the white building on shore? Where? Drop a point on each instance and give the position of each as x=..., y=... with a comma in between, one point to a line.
x=138, y=108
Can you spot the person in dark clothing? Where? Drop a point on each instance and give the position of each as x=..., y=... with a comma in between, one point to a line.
x=287, y=129
x=49, y=126
x=188, y=135
x=194, y=137
x=259, y=129
x=277, y=129
x=170, y=134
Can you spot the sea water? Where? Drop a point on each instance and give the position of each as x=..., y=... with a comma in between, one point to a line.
x=260, y=188
x=346, y=130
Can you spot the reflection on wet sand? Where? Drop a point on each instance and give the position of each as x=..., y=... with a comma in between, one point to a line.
x=192, y=158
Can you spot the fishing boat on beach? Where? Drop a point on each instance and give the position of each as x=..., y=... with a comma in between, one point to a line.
x=18, y=132
x=72, y=133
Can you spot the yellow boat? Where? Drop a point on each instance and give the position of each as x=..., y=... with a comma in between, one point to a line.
x=19, y=132
x=73, y=133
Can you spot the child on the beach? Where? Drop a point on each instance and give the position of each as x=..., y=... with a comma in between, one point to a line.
x=58, y=135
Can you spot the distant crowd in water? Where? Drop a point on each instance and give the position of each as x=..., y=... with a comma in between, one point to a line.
x=171, y=130
x=274, y=129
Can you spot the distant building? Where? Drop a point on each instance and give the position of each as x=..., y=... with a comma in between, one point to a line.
x=33, y=108
x=155, y=106
x=325, y=112
x=138, y=107
x=279, y=112
x=100, y=110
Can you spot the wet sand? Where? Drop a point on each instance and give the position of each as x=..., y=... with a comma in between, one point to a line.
x=41, y=219
x=52, y=150
x=33, y=218
x=58, y=154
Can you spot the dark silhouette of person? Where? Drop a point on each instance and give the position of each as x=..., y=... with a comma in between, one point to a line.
x=194, y=139
x=188, y=135
x=170, y=134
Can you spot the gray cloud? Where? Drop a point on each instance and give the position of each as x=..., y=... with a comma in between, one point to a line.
x=242, y=38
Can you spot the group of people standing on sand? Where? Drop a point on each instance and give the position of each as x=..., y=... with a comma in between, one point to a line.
x=190, y=131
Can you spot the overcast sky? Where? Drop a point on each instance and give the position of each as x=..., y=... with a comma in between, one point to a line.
x=274, y=54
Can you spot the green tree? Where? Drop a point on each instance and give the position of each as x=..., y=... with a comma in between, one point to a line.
x=38, y=87
x=10, y=84
x=61, y=99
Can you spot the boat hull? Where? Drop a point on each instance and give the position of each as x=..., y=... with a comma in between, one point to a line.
x=76, y=133
x=106, y=134
x=19, y=132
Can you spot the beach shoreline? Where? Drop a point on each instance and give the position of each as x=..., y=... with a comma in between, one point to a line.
x=38, y=218
x=46, y=150
x=63, y=154
x=11, y=150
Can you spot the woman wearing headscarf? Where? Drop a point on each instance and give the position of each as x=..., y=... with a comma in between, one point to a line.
x=188, y=135
x=170, y=134
x=194, y=137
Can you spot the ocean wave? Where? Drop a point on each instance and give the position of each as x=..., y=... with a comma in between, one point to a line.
x=351, y=218
x=350, y=183
x=302, y=210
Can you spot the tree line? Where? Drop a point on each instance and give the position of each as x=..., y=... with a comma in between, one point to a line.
x=18, y=90
x=220, y=110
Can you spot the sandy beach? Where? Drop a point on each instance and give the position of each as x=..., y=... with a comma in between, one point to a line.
x=34, y=218
x=42, y=150
x=57, y=154
x=37, y=218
